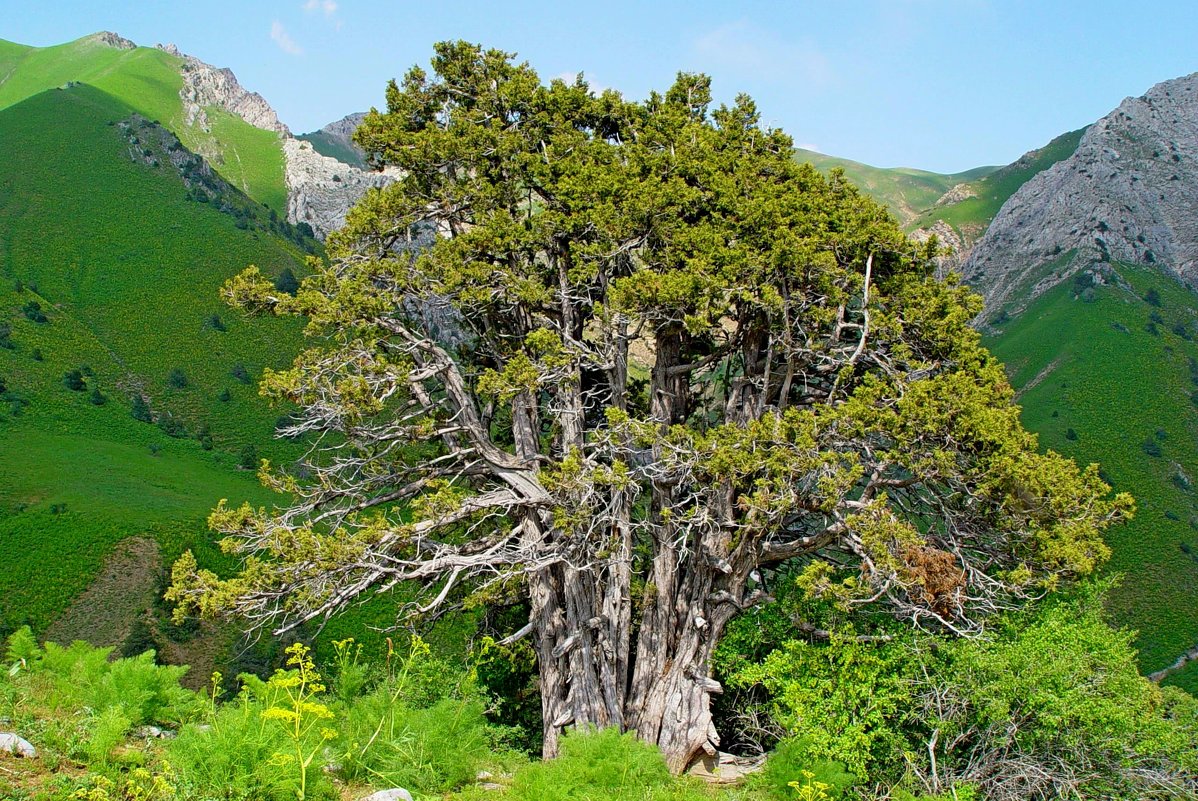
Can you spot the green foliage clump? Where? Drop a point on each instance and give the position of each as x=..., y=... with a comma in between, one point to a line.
x=76, y=704
x=171, y=426
x=846, y=701
x=248, y=458
x=1056, y=702
x=287, y=282
x=421, y=726
x=268, y=743
x=1048, y=704
x=596, y=766
x=73, y=380
x=82, y=675
x=140, y=410
x=33, y=311
x=792, y=763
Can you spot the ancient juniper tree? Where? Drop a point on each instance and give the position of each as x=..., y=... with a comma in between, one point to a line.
x=678, y=358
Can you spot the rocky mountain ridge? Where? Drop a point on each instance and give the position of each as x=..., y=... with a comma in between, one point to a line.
x=205, y=86
x=320, y=190
x=1128, y=194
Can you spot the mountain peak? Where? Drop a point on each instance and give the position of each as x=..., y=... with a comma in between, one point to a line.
x=1126, y=195
x=110, y=39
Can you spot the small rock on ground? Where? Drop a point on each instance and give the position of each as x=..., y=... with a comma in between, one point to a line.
x=394, y=794
x=12, y=744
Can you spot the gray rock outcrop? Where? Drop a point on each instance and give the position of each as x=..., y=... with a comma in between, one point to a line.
x=956, y=249
x=341, y=133
x=17, y=746
x=110, y=39
x=205, y=86
x=321, y=190
x=958, y=193
x=1127, y=194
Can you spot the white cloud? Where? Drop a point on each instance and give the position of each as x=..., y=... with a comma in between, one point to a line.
x=327, y=6
x=743, y=48
x=279, y=36
x=809, y=146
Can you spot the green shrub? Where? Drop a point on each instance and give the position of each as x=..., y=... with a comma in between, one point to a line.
x=595, y=766
x=248, y=458
x=790, y=761
x=141, y=690
x=107, y=732
x=423, y=726
x=73, y=380
x=268, y=744
x=1055, y=706
x=845, y=701
x=204, y=435
x=33, y=311
x=140, y=410
x=177, y=379
x=171, y=426
x=233, y=751
x=431, y=750
x=287, y=282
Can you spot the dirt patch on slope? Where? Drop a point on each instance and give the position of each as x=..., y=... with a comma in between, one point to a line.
x=126, y=587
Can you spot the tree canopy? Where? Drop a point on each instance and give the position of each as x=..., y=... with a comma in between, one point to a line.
x=621, y=359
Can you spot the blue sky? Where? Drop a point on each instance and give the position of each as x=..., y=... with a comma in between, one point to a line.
x=943, y=85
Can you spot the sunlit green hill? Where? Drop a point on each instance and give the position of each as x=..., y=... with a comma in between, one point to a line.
x=906, y=192
x=148, y=80
x=114, y=242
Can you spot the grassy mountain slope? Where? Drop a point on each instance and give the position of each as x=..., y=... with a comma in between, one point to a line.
x=1102, y=380
x=99, y=229
x=906, y=192
x=334, y=148
x=149, y=80
x=971, y=215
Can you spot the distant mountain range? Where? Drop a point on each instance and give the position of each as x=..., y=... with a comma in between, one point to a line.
x=1084, y=250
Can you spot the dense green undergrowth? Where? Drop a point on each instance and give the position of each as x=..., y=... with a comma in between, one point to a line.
x=1048, y=705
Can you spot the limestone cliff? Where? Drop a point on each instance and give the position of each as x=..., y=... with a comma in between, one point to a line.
x=321, y=190
x=206, y=86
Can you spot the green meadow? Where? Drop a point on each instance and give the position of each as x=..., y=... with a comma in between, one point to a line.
x=148, y=80
x=971, y=215
x=1106, y=376
x=111, y=271
x=906, y=192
